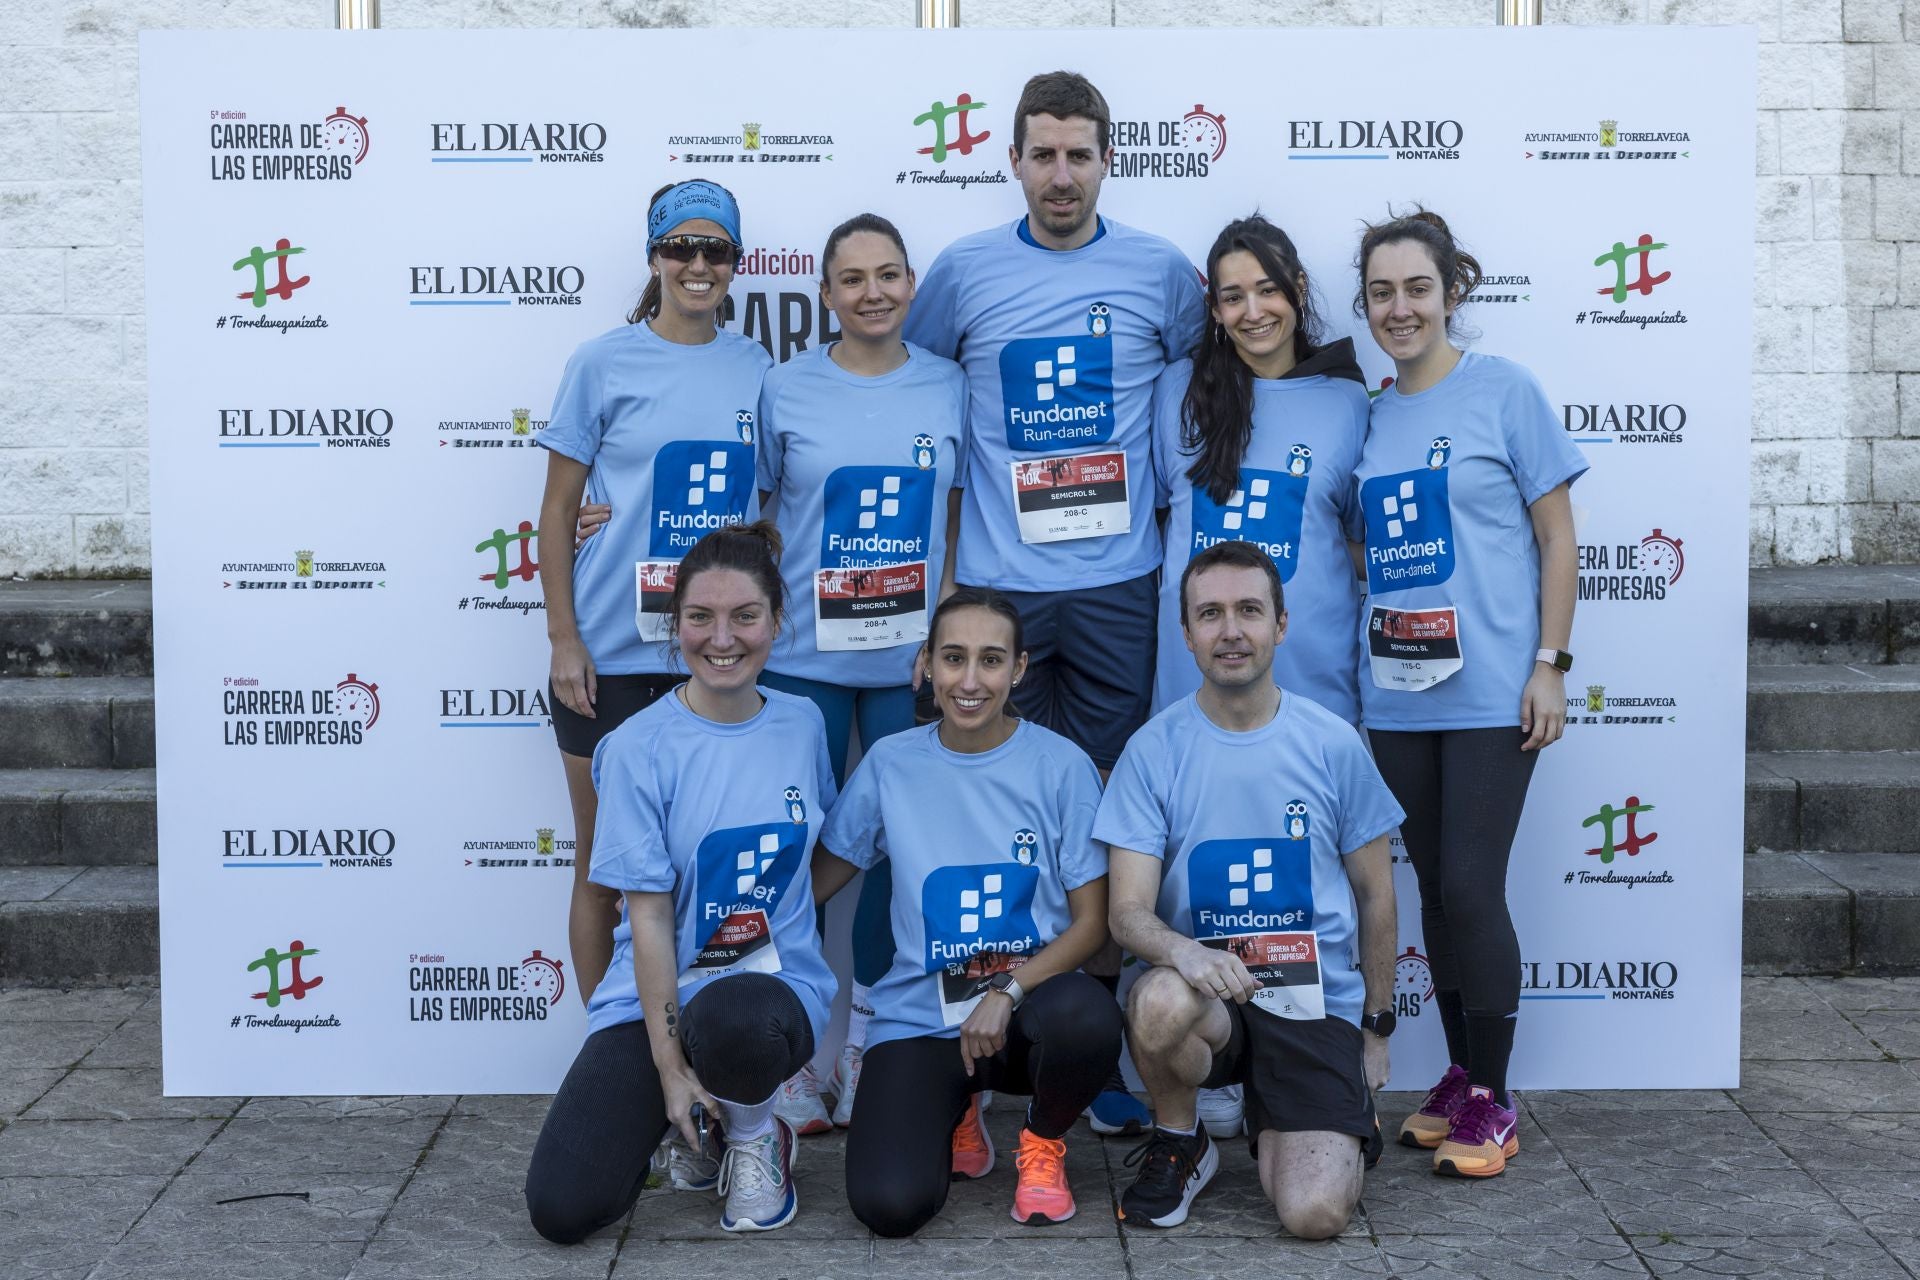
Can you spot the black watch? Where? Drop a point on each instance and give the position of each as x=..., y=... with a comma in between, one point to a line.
x=1381, y=1023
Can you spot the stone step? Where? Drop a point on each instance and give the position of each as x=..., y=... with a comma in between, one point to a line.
x=79, y=722
x=84, y=628
x=1834, y=708
x=77, y=818
x=1834, y=801
x=79, y=924
x=1804, y=913
x=1855, y=614
x=1831, y=913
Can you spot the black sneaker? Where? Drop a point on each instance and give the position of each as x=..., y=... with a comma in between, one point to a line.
x=1173, y=1170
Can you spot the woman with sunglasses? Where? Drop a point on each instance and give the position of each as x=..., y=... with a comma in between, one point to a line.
x=658, y=414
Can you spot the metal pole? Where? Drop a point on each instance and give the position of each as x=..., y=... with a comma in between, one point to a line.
x=933, y=13
x=357, y=15
x=1513, y=13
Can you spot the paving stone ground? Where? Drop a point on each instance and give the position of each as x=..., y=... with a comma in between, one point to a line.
x=1810, y=1168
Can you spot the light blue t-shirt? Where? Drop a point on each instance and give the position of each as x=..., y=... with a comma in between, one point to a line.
x=722, y=816
x=863, y=467
x=1251, y=829
x=1061, y=350
x=667, y=431
x=984, y=849
x=1295, y=499
x=1444, y=484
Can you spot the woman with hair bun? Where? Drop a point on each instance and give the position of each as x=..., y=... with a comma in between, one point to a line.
x=1471, y=570
x=710, y=800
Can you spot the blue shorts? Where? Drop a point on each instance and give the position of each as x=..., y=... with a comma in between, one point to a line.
x=1090, y=662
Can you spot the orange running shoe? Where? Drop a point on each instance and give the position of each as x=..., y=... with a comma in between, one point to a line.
x=1484, y=1136
x=1043, y=1196
x=972, y=1147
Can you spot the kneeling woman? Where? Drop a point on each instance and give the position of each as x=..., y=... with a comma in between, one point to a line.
x=717, y=989
x=999, y=896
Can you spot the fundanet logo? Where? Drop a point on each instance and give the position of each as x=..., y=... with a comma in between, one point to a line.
x=1238, y=886
x=1409, y=527
x=698, y=486
x=1266, y=509
x=969, y=909
x=1058, y=392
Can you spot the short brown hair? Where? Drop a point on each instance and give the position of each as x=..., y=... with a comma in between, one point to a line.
x=1234, y=554
x=1063, y=95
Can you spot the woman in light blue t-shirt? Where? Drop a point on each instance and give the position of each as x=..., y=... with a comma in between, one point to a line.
x=657, y=416
x=710, y=799
x=1470, y=564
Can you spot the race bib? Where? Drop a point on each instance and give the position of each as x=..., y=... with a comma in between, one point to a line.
x=880, y=607
x=742, y=944
x=1287, y=967
x=652, y=595
x=1082, y=495
x=1413, y=649
x=962, y=985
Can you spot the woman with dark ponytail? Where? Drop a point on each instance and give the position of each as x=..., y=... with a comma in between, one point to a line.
x=710, y=801
x=1255, y=439
x=655, y=417
x=1471, y=571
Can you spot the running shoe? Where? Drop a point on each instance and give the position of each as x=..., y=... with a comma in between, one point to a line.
x=1427, y=1127
x=846, y=1078
x=799, y=1104
x=972, y=1144
x=1484, y=1136
x=1042, y=1196
x=756, y=1177
x=1223, y=1110
x=1116, y=1110
x=1173, y=1170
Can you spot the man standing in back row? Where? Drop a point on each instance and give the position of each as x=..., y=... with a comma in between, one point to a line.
x=1063, y=320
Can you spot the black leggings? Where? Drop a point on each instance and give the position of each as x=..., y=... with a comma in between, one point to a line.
x=744, y=1035
x=1463, y=790
x=1061, y=1045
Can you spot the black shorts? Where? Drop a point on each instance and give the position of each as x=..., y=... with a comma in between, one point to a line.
x=618, y=698
x=1300, y=1076
x=1090, y=655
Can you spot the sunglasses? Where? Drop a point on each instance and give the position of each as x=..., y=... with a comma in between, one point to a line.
x=719, y=251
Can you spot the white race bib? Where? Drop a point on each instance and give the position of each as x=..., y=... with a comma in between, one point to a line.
x=879, y=607
x=963, y=985
x=652, y=594
x=1413, y=649
x=742, y=944
x=1081, y=495
x=1287, y=967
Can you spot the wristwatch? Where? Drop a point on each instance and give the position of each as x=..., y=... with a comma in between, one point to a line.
x=1381, y=1023
x=1559, y=659
x=1006, y=986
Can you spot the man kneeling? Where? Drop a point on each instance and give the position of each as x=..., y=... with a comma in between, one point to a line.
x=1248, y=829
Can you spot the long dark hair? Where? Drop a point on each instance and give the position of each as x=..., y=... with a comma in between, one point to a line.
x=1216, y=417
x=994, y=602
x=1459, y=270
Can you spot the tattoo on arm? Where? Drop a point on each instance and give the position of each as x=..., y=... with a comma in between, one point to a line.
x=673, y=1020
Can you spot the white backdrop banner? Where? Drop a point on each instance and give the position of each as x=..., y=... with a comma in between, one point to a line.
x=369, y=255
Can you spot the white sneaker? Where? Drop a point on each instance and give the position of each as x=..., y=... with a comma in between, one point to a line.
x=1223, y=1111
x=690, y=1170
x=799, y=1104
x=756, y=1177
x=846, y=1079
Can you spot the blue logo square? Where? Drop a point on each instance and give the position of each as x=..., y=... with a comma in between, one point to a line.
x=1241, y=886
x=968, y=909
x=746, y=869
x=1409, y=530
x=698, y=486
x=1266, y=509
x=1058, y=392
x=876, y=515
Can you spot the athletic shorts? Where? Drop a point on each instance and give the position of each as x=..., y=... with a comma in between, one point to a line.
x=617, y=699
x=1299, y=1075
x=1090, y=662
